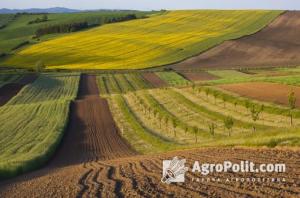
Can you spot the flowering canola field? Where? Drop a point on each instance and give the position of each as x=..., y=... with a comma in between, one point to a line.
x=158, y=40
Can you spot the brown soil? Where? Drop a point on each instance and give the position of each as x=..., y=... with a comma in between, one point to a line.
x=198, y=76
x=154, y=79
x=276, y=45
x=140, y=176
x=268, y=92
x=91, y=133
x=9, y=90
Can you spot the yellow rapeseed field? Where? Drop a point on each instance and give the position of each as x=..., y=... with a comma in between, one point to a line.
x=158, y=40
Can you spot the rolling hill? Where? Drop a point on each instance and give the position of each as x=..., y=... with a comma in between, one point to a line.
x=159, y=40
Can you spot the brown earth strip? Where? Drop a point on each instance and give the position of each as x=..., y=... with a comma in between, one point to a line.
x=9, y=90
x=276, y=45
x=198, y=76
x=267, y=92
x=139, y=176
x=154, y=79
x=91, y=133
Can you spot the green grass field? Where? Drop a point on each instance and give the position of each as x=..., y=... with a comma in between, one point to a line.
x=158, y=40
x=33, y=123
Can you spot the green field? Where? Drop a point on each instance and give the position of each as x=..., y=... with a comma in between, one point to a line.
x=158, y=40
x=33, y=123
x=18, y=30
x=172, y=78
x=121, y=83
x=157, y=120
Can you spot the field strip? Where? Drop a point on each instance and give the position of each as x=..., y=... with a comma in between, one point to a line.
x=237, y=111
x=24, y=149
x=9, y=90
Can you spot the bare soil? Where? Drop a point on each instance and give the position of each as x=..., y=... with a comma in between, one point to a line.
x=276, y=45
x=91, y=134
x=198, y=76
x=9, y=90
x=154, y=79
x=140, y=176
x=268, y=92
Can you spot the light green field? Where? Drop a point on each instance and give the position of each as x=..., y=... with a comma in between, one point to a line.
x=228, y=74
x=156, y=41
x=172, y=78
x=33, y=123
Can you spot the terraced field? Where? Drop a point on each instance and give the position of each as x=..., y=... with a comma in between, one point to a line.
x=47, y=98
x=158, y=40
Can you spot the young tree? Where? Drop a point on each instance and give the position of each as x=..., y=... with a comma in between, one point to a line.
x=235, y=104
x=160, y=118
x=207, y=92
x=174, y=124
x=166, y=122
x=224, y=100
x=228, y=123
x=39, y=66
x=247, y=104
x=194, y=86
x=212, y=127
x=186, y=129
x=195, y=130
x=215, y=96
x=292, y=104
x=255, y=114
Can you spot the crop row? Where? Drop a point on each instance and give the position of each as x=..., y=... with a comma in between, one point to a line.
x=121, y=83
x=33, y=123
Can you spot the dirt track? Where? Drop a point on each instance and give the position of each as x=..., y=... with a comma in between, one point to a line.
x=140, y=176
x=10, y=90
x=268, y=92
x=276, y=45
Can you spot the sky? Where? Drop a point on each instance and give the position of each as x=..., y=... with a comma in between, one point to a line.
x=154, y=4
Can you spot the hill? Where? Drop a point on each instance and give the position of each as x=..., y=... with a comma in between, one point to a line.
x=277, y=45
x=18, y=30
x=38, y=10
x=158, y=40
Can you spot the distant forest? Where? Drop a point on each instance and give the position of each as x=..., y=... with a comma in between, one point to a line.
x=77, y=26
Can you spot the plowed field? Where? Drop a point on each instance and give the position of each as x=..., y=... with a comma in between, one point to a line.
x=268, y=92
x=140, y=176
x=276, y=45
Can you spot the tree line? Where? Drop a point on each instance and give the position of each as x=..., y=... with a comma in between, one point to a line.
x=77, y=26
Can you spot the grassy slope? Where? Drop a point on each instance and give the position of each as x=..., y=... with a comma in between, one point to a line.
x=18, y=30
x=155, y=41
x=33, y=123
